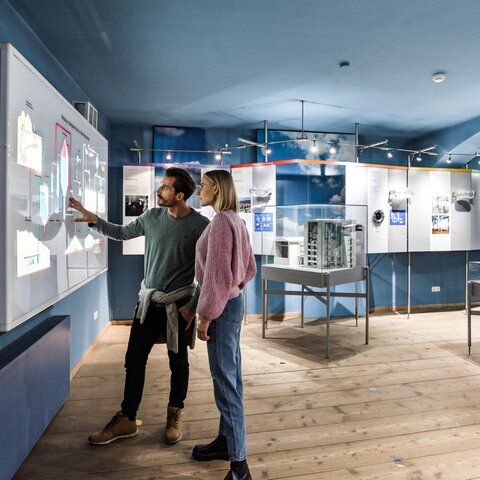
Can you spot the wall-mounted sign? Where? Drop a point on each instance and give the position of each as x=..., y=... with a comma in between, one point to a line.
x=398, y=217
x=264, y=222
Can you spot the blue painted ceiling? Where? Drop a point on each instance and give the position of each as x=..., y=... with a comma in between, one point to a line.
x=233, y=64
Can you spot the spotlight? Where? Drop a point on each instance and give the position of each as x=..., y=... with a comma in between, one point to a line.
x=265, y=151
x=218, y=156
x=390, y=154
x=449, y=160
x=169, y=156
x=418, y=157
x=332, y=149
x=314, y=148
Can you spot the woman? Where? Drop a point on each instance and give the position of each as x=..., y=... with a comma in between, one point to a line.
x=224, y=264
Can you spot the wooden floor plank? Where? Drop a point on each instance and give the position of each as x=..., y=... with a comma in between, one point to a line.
x=403, y=407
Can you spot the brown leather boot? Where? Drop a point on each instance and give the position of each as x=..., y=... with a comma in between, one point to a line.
x=174, y=428
x=120, y=426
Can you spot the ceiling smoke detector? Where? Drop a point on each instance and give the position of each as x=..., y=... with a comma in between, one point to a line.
x=438, y=77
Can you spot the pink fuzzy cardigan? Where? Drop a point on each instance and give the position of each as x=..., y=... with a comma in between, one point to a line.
x=224, y=263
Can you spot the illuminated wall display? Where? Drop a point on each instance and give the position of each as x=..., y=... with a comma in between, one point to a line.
x=48, y=153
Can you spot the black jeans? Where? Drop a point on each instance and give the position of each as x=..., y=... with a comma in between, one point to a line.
x=142, y=338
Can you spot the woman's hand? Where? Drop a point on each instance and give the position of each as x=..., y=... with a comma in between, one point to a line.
x=87, y=216
x=202, y=331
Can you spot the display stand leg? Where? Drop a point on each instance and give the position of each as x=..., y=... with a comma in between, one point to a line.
x=408, y=285
x=327, y=321
x=264, y=306
x=302, y=308
x=367, y=305
x=356, y=304
x=469, y=316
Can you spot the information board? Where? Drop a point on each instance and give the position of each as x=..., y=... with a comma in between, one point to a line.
x=49, y=152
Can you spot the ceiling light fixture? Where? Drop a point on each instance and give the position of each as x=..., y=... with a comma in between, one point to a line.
x=302, y=136
x=169, y=156
x=418, y=157
x=428, y=151
x=449, y=160
x=249, y=142
x=438, y=77
x=390, y=154
x=314, y=148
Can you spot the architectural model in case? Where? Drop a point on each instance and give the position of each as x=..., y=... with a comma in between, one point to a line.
x=289, y=251
x=333, y=243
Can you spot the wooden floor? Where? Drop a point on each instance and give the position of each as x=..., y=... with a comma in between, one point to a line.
x=407, y=406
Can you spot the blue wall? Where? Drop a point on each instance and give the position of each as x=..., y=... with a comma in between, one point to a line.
x=94, y=296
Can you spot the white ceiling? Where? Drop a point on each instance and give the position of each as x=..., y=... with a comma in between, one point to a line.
x=232, y=64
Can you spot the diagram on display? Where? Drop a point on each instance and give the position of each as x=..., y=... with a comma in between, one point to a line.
x=46, y=199
x=440, y=215
x=29, y=144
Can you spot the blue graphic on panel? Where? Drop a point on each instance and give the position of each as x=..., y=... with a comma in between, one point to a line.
x=263, y=222
x=398, y=217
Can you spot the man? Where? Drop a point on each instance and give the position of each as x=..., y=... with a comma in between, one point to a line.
x=167, y=299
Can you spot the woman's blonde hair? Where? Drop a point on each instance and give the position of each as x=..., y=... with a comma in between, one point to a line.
x=226, y=198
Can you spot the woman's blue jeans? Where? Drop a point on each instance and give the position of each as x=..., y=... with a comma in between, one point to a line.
x=226, y=369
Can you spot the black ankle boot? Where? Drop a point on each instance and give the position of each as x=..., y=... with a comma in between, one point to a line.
x=215, y=450
x=239, y=471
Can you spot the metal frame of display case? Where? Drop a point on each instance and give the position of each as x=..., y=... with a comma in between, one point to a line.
x=308, y=278
x=473, y=290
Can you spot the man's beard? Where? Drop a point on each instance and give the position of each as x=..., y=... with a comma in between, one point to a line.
x=166, y=203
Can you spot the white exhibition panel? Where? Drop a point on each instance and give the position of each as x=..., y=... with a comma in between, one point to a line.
x=355, y=184
x=440, y=201
x=256, y=190
x=377, y=199
x=49, y=152
x=475, y=213
x=263, y=209
x=419, y=211
x=397, y=233
x=437, y=221
x=242, y=178
x=368, y=185
x=138, y=185
x=461, y=212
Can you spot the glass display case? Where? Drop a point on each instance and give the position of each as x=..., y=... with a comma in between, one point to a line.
x=474, y=270
x=316, y=248
x=322, y=237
